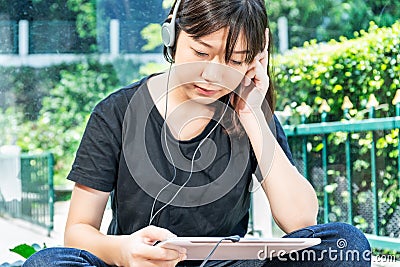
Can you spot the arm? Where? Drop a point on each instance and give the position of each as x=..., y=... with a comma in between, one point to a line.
x=293, y=201
x=82, y=231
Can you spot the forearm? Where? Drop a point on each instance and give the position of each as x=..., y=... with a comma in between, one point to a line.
x=86, y=237
x=293, y=200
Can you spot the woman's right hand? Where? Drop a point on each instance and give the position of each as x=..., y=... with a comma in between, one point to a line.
x=137, y=249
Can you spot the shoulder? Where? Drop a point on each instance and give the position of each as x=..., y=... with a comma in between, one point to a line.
x=118, y=101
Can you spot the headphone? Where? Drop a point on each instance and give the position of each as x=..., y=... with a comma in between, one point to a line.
x=168, y=30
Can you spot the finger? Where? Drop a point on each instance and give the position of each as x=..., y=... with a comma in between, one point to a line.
x=159, y=253
x=261, y=79
x=249, y=76
x=154, y=233
x=181, y=250
x=252, y=65
x=266, y=39
x=264, y=60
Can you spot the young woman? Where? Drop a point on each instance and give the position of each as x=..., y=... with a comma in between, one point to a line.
x=176, y=151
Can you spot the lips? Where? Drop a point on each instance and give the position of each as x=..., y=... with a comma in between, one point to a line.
x=204, y=91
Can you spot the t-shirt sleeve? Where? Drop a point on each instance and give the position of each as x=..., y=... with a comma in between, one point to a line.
x=282, y=141
x=97, y=159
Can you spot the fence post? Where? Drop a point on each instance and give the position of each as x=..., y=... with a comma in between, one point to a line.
x=347, y=105
x=371, y=105
x=324, y=109
x=50, y=162
x=23, y=37
x=396, y=103
x=283, y=32
x=114, y=37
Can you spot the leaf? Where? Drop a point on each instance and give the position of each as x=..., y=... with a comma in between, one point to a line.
x=24, y=250
x=319, y=147
x=330, y=188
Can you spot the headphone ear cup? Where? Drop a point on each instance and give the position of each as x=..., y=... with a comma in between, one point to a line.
x=168, y=30
x=166, y=34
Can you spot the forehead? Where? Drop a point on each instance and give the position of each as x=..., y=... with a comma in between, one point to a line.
x=218, y=39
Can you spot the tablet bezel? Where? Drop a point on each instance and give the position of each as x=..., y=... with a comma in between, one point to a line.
x=198, y=248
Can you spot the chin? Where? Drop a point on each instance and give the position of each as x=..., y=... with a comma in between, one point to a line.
x=204, y=100
x=207, y=100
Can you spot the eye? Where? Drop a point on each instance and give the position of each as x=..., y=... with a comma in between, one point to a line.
x=235, y=62
x=200, y=54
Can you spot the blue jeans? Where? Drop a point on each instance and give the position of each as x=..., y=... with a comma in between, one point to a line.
x=341, y=245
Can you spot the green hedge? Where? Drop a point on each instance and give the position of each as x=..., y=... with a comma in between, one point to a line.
x=64, y=112
x=356, y=68
x=46, y=109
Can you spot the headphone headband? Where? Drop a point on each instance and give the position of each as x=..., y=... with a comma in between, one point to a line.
x=168, y=29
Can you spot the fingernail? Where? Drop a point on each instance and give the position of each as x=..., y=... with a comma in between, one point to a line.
x=183, y=250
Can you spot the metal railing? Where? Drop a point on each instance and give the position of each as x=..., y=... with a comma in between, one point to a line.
x=8, y=37
x=37, y=204
x=63, y=38
x=36, y=201
x=350, y=181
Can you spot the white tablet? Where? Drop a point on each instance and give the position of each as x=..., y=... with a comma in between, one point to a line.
x=198, y=248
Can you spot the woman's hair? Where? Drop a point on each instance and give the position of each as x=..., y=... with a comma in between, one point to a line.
x=199, y=18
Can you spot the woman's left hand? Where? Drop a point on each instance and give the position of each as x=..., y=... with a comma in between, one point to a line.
x=256, y=82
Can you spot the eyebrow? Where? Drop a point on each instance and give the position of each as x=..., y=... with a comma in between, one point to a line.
x=210, y=46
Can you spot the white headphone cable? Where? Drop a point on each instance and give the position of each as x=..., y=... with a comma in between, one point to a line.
x=192, y=161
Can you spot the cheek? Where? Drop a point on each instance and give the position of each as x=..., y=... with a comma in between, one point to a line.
x=233, y=77
x=183, y=53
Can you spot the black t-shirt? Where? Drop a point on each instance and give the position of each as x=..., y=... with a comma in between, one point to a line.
x=123, y=152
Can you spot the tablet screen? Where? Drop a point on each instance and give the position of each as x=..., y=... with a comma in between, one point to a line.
x=199, y=248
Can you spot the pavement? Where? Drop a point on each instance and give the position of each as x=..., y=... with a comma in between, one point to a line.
x=14, y=232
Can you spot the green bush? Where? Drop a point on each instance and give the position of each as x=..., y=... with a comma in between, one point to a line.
x=65, y=111
x=355, y=68
x=46, y=109
x=24, y=87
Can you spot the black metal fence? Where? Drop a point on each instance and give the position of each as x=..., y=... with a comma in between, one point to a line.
x=354, y=166
x=35, y=203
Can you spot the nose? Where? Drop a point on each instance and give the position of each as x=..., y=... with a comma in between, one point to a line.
x=212, y=72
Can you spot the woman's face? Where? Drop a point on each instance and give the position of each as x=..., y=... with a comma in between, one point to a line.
x=201, y=70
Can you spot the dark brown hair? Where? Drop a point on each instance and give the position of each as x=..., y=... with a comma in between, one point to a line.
x=202, y=17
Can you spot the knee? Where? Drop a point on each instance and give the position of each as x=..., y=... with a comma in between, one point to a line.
x=347, y=236
x=51, y=256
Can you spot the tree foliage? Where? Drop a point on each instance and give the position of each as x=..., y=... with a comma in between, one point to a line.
x=61, y=121
x=85, y=17
x=326, y=19
x=354, y=68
